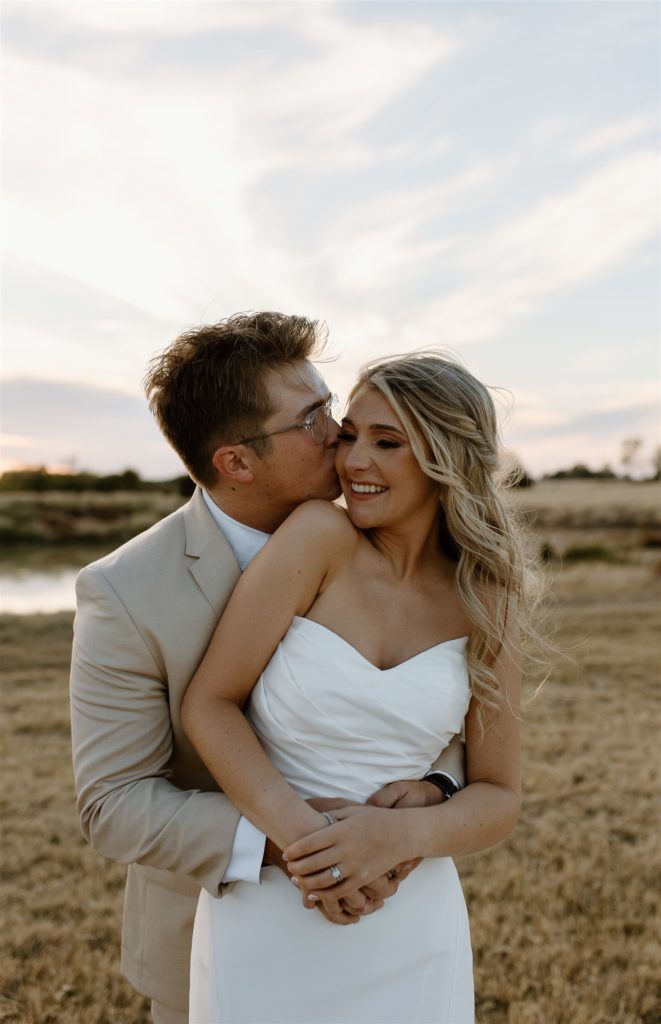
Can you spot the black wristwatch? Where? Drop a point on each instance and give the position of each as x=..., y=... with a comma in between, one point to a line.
x=443, y=782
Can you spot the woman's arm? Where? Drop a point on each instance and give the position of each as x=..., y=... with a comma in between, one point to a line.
x=281, y=582
x=482, y=814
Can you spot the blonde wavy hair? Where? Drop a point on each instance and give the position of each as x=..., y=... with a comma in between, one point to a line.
x=451, y=423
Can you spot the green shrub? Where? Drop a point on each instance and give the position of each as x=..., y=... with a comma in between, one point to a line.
x=590, y=553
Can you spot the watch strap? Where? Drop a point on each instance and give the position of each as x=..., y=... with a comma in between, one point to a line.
x=447, y=785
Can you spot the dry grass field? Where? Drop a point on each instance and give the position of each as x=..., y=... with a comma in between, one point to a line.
x=563, y=914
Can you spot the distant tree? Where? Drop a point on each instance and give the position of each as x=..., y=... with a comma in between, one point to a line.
x=577, y=472
x=582, y=472
x=35, y=479
x=39, y=479
x=126, y=481
x=630, y=449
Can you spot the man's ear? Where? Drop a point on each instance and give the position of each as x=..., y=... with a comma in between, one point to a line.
x=234, y=463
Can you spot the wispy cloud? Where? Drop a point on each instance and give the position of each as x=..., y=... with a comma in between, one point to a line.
x=618, y=134
x=561, y=242
x=380, y=165
x=154, y=187
x=125, y=18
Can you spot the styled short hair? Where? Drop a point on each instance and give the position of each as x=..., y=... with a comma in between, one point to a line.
x=208, y=388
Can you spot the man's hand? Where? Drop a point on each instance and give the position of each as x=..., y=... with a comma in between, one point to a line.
x=410, y=793
x=273, y=856
x=330, y=803
x=333, y=910
x=348, y=910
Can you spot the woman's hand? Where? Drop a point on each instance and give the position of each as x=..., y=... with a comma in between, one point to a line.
x=365, y=843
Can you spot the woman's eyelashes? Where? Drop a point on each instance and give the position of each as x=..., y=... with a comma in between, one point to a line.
x=381, y=442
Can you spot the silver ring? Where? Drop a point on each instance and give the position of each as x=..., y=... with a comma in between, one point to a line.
x=329, y=817
x=392, y=873
x=336, y=873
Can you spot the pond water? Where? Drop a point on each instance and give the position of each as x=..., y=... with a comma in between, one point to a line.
x=25, y=593
x=42, y=579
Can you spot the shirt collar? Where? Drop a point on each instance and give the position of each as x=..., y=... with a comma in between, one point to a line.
x=244, y=540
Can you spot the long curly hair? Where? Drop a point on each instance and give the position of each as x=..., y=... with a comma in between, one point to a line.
x=451, y=423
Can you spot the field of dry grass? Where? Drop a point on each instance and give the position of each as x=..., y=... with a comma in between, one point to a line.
x=563, y=915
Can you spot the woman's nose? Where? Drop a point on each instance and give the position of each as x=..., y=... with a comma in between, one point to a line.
x=358, y=456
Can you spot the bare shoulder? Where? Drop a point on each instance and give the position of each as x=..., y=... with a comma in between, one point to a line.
x=319, y=522
x=326, y=513
x=310, y=544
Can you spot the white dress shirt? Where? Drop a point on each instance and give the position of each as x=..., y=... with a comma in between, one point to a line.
x=248, y=848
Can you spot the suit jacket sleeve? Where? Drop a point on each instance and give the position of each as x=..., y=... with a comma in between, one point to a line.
x=122, y=743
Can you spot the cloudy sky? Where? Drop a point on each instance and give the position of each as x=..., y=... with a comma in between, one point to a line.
x=476, y=176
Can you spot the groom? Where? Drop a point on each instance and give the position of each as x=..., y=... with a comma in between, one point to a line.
x=250, y=417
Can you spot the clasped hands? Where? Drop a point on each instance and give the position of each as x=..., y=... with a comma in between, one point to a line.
x=367, y=843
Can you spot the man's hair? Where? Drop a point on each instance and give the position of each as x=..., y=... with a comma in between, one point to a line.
x=208, y=388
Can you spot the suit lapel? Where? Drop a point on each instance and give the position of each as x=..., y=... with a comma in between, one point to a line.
x=214, y=567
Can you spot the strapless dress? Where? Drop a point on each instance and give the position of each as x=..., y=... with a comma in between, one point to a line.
x=335, y=725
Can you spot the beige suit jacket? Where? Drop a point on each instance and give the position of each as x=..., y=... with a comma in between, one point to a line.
x=145, y=615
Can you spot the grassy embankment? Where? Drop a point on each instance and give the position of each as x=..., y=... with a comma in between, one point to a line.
x=59, y=517
x=563, y=914
x=612, y=510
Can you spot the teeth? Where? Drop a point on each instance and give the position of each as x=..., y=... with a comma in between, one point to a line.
x=367, y=489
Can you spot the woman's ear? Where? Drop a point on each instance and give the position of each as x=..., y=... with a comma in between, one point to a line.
x=234, y=463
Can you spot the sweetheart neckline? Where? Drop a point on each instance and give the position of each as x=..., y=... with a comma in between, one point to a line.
x=407, y=661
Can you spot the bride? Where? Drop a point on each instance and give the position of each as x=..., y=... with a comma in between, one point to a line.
x=360, y=643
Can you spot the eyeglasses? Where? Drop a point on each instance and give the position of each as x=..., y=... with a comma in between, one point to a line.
x=316, y=424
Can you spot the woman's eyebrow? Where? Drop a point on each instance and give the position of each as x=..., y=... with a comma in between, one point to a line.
x=377, y=426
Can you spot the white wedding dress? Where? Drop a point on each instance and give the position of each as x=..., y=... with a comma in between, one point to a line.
x=335, y=725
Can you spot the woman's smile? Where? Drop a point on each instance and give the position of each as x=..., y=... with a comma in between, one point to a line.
x=361, y=491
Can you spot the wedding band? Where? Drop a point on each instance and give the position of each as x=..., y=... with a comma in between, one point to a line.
x=329, y=817
x=336, y=873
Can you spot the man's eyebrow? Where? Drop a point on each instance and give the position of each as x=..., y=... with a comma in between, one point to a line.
x=377, y=426
x=312, y=406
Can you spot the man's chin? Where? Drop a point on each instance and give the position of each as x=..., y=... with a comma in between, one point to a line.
x=331, y=493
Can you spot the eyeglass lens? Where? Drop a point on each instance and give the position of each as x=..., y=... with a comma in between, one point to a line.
x=319, y=420
x=319, y=424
